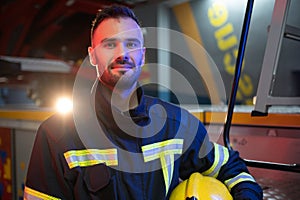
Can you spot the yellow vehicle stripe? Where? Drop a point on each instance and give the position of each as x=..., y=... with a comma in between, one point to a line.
x=35, y=115
x=186, y=20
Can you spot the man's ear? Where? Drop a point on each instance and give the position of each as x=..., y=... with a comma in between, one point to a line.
x=144, y=55
x=92, y=56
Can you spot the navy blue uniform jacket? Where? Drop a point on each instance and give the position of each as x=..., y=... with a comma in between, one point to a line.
x=163, y=145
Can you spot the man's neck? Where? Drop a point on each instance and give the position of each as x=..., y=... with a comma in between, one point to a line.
x=122, y=99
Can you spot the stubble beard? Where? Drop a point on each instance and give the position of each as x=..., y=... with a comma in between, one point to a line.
x=121, y=79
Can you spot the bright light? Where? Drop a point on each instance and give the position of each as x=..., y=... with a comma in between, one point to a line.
x=64, y=105
x=254, y=100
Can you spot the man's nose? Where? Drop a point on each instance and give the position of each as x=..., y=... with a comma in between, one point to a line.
x=123, y=52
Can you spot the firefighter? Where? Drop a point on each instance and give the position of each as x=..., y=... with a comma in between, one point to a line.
x=140, y=147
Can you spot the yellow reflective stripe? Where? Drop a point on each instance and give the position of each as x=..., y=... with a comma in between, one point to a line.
x=220, y=159
x=167, y=168
x=164, y=151
x=215, y=163
x=154, y=151
x=162, y=144
x=31, y=194
x=90, y=157
x=230, y=183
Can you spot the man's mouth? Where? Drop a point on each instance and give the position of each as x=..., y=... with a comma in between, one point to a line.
x=121, y=65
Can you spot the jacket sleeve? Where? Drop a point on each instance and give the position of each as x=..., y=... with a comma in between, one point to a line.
x=227, y=166
x=212, y=159
x=45, y=175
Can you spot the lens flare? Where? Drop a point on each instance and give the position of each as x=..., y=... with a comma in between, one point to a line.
x=64, y=105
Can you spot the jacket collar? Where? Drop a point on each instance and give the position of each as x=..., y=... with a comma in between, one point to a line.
x=110, y=117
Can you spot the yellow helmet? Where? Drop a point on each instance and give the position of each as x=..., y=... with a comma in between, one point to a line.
x=201, y=187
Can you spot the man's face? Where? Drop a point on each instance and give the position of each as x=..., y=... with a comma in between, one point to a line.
x=117, y=52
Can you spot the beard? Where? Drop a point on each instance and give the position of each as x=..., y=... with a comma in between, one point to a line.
x=120, y=74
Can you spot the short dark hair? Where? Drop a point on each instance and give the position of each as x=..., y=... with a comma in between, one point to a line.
x=114, y=11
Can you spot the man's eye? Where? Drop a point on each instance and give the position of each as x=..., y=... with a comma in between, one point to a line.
x=109, y=45
x=132, y=45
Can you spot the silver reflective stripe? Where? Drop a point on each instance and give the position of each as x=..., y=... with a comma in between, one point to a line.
x=220, y=159
x=90, y=157
x=230, y=183
x=165, y=151
x=31, y=194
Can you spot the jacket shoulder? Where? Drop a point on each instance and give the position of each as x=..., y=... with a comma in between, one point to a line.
x=58, y=126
